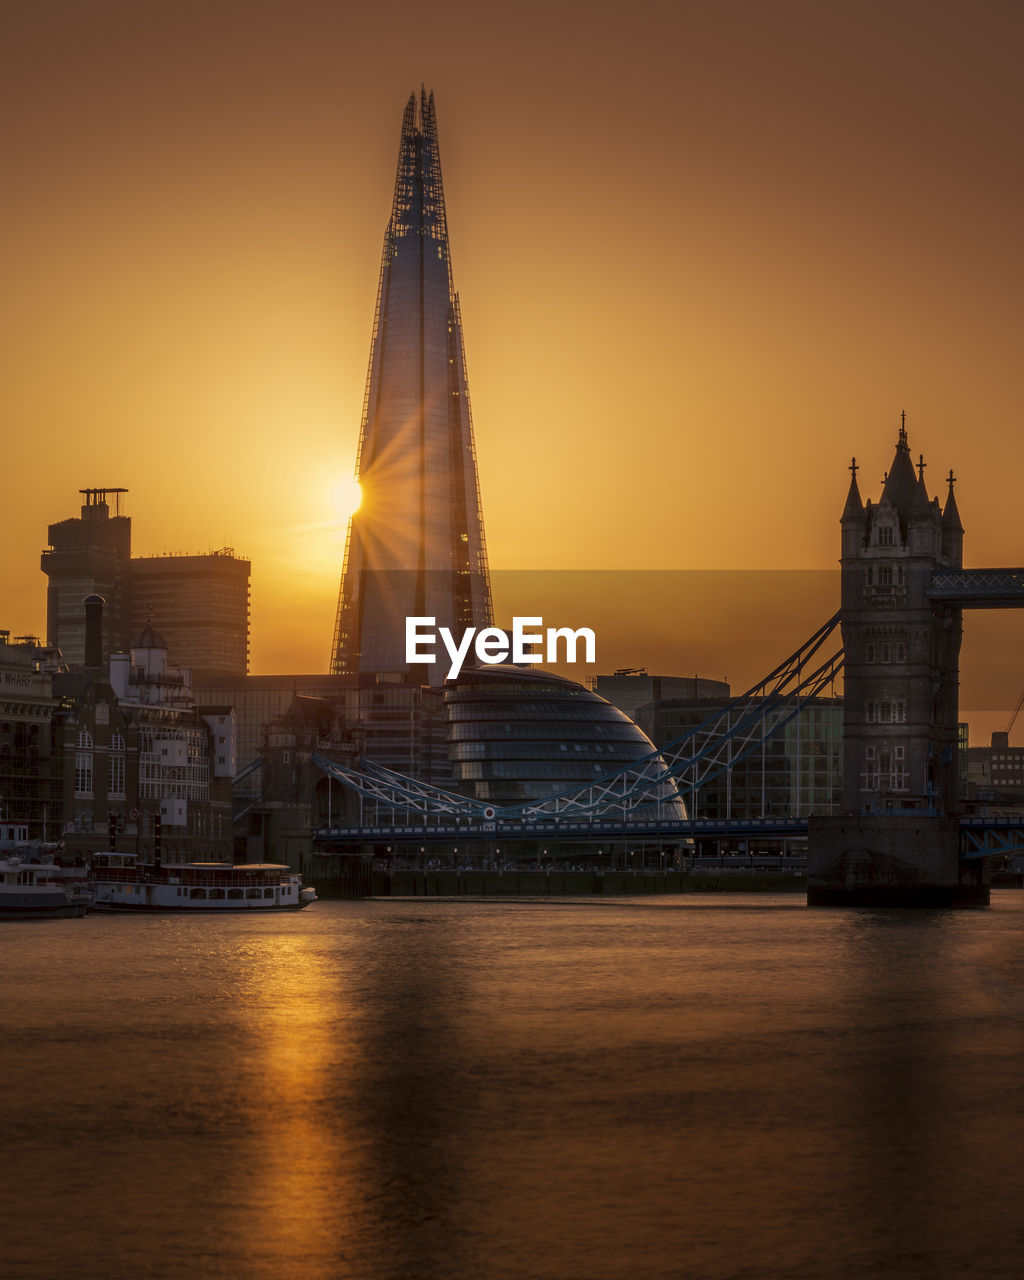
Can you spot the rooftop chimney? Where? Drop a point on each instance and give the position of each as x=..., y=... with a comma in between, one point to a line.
x=94, y=631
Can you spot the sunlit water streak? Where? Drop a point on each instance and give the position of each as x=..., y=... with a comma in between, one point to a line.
x=551, y=1089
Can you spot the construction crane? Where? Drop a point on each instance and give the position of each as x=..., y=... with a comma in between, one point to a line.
x=1016, y=710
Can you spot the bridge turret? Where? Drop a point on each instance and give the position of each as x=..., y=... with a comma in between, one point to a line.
x=852, y=519
x=901, y=684
x=952, y=529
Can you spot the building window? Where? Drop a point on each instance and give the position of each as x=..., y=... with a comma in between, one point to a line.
x=83, y=775
x=886, y=711
x=117, y=757
x=870, y=774
x=885, y=535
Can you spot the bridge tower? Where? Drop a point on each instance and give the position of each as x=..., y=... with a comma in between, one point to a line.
x=897, y=841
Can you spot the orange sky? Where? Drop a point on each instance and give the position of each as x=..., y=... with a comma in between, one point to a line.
x=705, y=252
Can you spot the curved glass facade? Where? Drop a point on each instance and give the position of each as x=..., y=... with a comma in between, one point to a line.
x=517, y=734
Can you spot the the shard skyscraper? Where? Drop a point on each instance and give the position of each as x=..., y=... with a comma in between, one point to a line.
x=416, y=545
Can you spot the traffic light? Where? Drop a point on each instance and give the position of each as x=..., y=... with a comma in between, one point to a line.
x=112, y=829
x=156, y=838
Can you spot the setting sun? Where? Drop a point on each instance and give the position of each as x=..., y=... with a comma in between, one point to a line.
x=346, y=495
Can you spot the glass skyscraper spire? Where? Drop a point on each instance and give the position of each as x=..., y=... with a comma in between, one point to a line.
x=416, y=545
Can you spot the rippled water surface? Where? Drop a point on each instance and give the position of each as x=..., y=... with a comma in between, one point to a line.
x=735, y=1087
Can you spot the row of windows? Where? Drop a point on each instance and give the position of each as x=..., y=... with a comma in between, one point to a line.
x=552, y=731
x=886, y=711
x=19, y=730
x=894, y=779
x=84, y=775
x=495, y=704
x=85, y=741
x=885, y=768
x=530, y=770
x=885, y=651
x=532, y=750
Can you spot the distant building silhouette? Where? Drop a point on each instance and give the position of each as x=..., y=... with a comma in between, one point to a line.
x=798, y=770
x=632, y=688
x=202, y=601
x=30, y=759
x=996, y=774
x=203, y=606
x=144, y=769
x=88, y=555
x=399, y=723
x=416, y=544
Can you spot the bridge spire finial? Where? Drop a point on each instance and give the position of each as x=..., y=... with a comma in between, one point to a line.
x=921, y=464
x=903, y=427
x=952, y=526
x=853, y=468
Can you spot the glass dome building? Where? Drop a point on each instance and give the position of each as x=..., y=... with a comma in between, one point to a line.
x=517, y=734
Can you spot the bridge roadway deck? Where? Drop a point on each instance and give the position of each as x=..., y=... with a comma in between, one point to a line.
x=978, y=588
x=490, y=831
x=1008, y=832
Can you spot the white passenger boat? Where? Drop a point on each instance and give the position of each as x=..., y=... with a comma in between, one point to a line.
x=122, y=884
x=35, y=891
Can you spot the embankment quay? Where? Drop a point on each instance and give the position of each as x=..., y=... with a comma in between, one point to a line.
x=512, y=883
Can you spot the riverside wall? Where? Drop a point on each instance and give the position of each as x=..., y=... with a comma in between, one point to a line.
x=544, y=884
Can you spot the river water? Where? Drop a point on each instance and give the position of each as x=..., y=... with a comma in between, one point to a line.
x=550, y=1089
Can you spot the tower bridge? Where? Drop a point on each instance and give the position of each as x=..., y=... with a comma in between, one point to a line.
x=416, y=547
x=899, y=836
x=980, y=837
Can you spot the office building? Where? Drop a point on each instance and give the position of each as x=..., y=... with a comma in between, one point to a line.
x=416, y=544
x=630, y=688
x=88, y=555
x=518, y=734
x=798, y=769
x=202, y=603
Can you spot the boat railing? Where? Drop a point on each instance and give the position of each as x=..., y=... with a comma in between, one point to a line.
x=197, y=879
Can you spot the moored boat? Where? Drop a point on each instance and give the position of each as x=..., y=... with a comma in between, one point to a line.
x=122, y=884
x=35, y=891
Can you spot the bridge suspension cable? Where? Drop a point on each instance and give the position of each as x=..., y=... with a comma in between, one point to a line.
x=703, y=752
x=695, y=758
